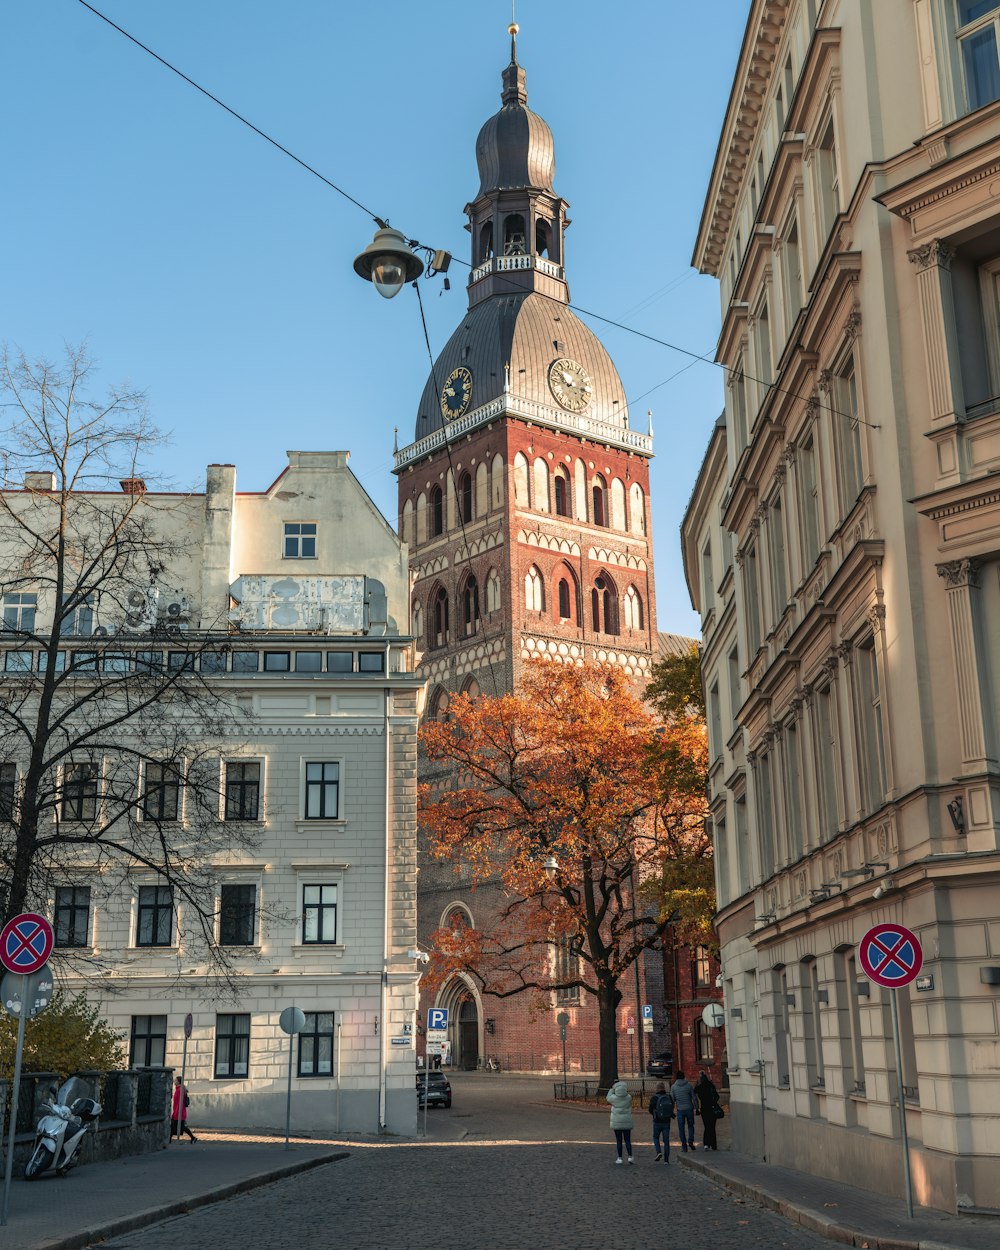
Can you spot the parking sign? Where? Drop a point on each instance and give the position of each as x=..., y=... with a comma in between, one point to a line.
x=437, y=1018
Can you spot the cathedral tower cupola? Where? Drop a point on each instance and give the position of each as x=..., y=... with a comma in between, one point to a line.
x=517, y=220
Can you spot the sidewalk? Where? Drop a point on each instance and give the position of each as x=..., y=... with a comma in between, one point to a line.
x=854, y=1217
x=101, y=1200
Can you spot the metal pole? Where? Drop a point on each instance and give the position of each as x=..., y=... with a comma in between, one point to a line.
x=288, y=1099
x=427, y=1077
x=337, y=1042
x=180, y=1108
x=907, y=1180
x=9, y=1168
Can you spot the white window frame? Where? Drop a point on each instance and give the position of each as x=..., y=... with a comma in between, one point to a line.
x=299, y=539
x=333, y=876
x=969, y=31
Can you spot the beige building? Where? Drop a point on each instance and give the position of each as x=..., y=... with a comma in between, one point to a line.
x=843, y=548
x=290, y=607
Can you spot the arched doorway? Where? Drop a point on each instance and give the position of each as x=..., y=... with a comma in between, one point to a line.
x=468, y=1035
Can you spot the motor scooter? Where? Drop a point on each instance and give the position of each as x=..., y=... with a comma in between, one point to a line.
x=60, y=1133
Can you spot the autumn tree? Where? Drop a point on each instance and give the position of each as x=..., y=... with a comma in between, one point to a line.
x=107, y=711
x=553, y=799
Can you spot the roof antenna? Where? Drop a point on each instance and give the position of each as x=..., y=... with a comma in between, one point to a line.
x=512, y=30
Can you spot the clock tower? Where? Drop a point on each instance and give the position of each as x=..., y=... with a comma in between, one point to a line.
x=524, y=496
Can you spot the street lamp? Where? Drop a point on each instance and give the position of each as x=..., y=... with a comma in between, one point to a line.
x=550, y=866
x=388, y=263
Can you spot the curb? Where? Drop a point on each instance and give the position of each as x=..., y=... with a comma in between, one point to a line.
x=180, y=1206
x=809, y=1218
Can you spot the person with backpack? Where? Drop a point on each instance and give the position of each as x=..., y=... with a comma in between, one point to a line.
x=179, y=1111
x=661, y=1108
x=682, y=1092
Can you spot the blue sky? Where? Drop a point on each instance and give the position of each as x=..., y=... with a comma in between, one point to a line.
x=205, y=267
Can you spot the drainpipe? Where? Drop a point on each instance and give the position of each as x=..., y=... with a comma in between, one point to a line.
x=386, y=929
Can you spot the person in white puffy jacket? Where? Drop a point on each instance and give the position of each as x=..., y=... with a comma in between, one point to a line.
x=621, y=1118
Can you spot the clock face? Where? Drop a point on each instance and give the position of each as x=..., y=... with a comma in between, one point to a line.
x=456, y=393
x=570, y=384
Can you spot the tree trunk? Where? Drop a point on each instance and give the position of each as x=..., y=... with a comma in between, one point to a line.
x=608, y=998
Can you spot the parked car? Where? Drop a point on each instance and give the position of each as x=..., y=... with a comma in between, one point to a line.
x=433, y=1089
x=661, y=1064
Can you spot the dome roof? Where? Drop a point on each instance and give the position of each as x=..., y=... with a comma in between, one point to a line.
x=515, y=146
x=530, y=331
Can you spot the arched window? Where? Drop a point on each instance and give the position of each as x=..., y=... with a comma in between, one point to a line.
x=541, y=485
x=521, y=480
x=470, y=606
x=492, y=592
x=437, y=511
x=534, y=599
x=514, y=235
x=633, y=609
x=422, y=519
x=604, y=605
x=543, y=237
x=471, y=687
x=599, y=500
x=482, y=503
x=485, y=242
x=439, y=610
x=439, y=704
x=637, y=509
x=565, y=600
x=418, y=621
x=465, y=497
x=496, y=481
x=617, y=504
x=562, y=491
x=406, y=524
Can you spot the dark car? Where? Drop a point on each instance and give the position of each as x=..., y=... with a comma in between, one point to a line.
x=661, y=1064
x=433, y=1090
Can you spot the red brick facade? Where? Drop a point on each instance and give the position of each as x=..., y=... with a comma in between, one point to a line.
x=689, y=985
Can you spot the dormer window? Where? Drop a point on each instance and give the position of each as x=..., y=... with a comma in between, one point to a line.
x=300, y=540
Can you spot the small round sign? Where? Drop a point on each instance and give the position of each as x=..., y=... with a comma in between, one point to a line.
x=713, y=1016
x=29, y=994
x=25, y=943
x=890, y=955
x=188, y=1024
x=292, y=1020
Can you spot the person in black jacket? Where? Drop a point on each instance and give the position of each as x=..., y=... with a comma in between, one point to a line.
x=661, y=1108
x=708, y=1108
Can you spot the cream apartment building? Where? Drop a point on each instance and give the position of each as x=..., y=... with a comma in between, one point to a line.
x=842, y=545
x=289, y=606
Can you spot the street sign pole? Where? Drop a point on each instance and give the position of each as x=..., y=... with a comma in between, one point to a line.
x=8, y=1170
x=907, y=1181
x=288, y=1098
x=427, y=1077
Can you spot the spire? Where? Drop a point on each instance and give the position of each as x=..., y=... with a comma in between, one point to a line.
x=514, y=89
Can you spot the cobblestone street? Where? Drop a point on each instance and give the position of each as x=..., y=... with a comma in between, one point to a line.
x=506, y=1168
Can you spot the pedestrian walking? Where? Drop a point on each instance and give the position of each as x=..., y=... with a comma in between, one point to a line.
x=682, y=1092
x=621, y=1118
x=708, y=1108
x=661, y=1108
x=179, y=1111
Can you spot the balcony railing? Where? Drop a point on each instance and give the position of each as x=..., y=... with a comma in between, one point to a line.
x=504, y=264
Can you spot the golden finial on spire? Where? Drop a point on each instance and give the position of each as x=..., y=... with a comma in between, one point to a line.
x=512, y=30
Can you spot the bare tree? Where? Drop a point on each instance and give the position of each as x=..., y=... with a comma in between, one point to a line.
x=109, y=715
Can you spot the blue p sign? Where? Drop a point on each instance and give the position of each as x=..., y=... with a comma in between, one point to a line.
x=437, y=1018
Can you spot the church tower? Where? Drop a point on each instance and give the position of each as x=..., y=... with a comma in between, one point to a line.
x=524, y=496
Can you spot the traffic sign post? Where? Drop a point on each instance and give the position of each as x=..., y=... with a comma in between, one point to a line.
x=891, y=956
x=188, y=1030
x=292, y=1021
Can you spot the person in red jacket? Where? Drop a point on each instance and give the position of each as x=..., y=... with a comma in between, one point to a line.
x=179, y=1112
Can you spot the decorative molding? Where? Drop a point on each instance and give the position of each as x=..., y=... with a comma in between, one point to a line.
x=852, y=326
x=795, y=705
x=957, y=573
x=789, y=454
x=935, y=253
x=845, y=650
x=812, y=407
x=876, y=617
x=829, y=666
x=824, y=382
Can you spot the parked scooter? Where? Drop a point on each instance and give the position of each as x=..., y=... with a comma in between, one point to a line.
x=60, y=1133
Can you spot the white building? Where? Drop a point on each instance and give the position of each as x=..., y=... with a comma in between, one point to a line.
x=294, y=603
x=843, y=547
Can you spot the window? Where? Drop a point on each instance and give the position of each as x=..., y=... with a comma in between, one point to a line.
x=322, y=791
x=633, y=609
x=847, y=437
x=637, y=509
x=707, y=580
x=714, y=723
x=465, y=496
x=242, y=791
x=213, y=661
x=470, y=606
x=751, y=586
x=79, y=792
x=826, y=753
x=809, y=501
x=562, y=492
x=238, y=915
x=599, y=501
x=245, y=661
x=849, y=989
x=232, y=1046
x=155, y=916
x=18, y=612
x=565, y=600
x=869, y=696
x=316, y=1044
x=439, y=706
x=114, y=662
x=703, y=1042
x=8, y=782
x=764, y=363
x=521, y=480
x=417, y=618
x=80, y=618
x=765, y=814
x=161, y=800
x=782, y=1028
x=492, y=593
x=604, y=606
x=72, y=927
x=533, y=590
x=149, y=1042
x=374, y=661
x=541, y=484
x=440, y=619
x=300, y=540
x=701, y=966
x=735, y=695
x=813, y=1026
x=437, y=512
x=59, y=665
x=739, y=403
x=567, y=969
x=277, y=661
x=828, y=190
x=178, y=661
x=17, y=661
x=309, y=661
x=340, y=661
x=319, y=914
x=793, y=790
x=978, y=42
x=776, y=552
x=791, y=269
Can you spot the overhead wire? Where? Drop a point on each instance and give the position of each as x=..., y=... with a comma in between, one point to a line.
x=514, y=287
